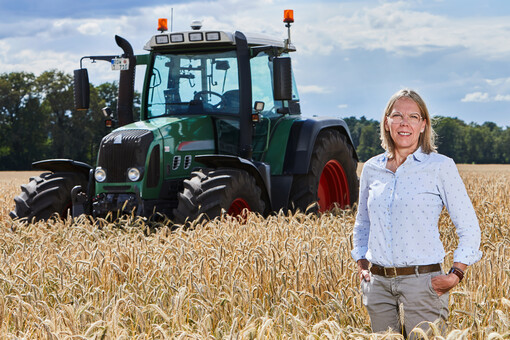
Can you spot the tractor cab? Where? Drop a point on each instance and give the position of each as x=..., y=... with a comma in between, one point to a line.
x=235, y=79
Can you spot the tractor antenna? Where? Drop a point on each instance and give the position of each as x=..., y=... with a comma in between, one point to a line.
x=288, y=18
x=172, y=20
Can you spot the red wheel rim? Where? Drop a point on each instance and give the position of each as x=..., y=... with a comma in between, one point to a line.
x=333, y=187
x=237, y=207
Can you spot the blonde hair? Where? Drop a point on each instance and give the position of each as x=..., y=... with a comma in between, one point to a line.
x=427, y=138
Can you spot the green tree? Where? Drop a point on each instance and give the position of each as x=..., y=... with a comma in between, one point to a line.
x=93, y=119
x=480, y=142
x=369, y=142
x=493, y=151
x=365, y=137
x=74, y=134
x=23, y=123
x=450, y=138
x=57, y=95
x=504, y=146
x=109, y=92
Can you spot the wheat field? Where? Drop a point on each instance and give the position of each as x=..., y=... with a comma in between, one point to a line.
x=284, y=277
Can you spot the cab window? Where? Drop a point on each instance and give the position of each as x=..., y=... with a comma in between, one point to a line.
x=193, y=84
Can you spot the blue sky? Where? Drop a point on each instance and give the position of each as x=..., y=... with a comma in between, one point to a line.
x=351, y=55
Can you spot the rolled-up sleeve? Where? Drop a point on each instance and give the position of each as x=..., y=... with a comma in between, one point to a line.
x=362, y=225
x=456, y=200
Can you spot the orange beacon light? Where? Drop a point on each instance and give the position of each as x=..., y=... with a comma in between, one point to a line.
x=162, y=25
x=288, y=16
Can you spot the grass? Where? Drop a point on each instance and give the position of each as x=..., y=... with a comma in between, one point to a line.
x=287, y=276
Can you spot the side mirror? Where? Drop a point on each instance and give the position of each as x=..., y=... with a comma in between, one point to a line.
x=81, y=89
x=282, y=79
x=222, y=65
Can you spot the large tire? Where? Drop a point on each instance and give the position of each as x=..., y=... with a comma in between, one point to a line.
x=46, y=195
x=331, y=179
x=209, y=191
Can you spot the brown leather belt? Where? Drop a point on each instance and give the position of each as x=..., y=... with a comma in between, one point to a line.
x=397, y=271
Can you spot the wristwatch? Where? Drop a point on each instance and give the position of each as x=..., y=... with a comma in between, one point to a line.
x=458, y=272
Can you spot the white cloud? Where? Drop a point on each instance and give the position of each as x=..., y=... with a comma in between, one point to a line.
x=343, y=106
x=321, y=28
x=498, y=81
x=4, y=49
x=502, y=98
x=477, y=97
x=313, y=89
x=397, y=27
x=498, y=85
x=90, y=28
x=484, y=97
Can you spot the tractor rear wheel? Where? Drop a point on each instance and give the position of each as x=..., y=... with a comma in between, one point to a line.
x=331, y=179
x=46, y=195
x=209, y=191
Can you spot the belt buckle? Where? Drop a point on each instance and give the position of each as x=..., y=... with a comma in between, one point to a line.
x=386, y=274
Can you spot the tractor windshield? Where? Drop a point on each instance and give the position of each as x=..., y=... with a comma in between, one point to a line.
x=199, y=83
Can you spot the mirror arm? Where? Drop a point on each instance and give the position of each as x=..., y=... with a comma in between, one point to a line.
x=107, y=58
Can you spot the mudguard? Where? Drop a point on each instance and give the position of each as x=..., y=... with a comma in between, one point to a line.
x=302, y=140
x=63, y=165
x=68, y=165
x=260, y=171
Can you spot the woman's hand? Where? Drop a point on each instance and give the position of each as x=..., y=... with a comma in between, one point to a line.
x=363, y=272
x=443, y=283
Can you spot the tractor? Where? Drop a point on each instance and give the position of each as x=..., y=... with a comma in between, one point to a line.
x=220, y=131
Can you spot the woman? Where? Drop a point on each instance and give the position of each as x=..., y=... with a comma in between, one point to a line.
x=402, y=193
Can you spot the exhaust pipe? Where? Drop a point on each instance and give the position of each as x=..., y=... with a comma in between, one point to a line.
x=126, y=84
x=245, y=97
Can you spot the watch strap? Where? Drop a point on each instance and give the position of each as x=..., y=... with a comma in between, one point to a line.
x=457, y=271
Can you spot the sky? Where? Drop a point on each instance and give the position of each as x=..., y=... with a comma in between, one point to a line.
x=351, y=55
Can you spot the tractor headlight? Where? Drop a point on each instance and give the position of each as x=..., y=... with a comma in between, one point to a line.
x=133, y=174
x=100, y=174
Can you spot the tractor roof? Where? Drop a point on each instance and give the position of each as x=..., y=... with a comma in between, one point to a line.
x=204, y=38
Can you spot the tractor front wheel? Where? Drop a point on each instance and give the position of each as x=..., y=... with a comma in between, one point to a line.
x=208, y=192
x=331, y=179
x=46, y=195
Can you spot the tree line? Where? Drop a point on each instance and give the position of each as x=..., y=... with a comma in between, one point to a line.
x=465, y=143
x=38, y=121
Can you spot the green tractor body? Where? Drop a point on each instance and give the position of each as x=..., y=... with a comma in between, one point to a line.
x=220, y=130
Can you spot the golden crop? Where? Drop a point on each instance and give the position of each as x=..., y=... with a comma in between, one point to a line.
x=287, y=276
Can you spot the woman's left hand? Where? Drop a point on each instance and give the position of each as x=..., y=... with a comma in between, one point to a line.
x=443, y=283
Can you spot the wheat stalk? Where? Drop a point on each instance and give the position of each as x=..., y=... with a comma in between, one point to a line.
x=289, y=276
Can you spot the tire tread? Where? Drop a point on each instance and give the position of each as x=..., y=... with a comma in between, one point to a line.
x=46, y=195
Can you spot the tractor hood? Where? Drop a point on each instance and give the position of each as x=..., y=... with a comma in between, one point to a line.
x=178, y=131
x=159, y=149
x=179, y=140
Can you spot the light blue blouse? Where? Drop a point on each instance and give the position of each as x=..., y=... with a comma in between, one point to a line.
x=398, y=212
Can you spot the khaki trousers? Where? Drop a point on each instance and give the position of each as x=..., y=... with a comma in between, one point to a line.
x=403, y=302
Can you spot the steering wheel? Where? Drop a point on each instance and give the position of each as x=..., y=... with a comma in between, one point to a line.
x=200, y=95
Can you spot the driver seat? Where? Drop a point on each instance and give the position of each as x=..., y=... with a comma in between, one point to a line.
x=231, y=101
